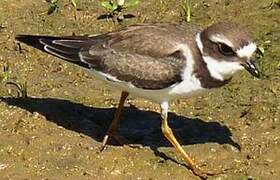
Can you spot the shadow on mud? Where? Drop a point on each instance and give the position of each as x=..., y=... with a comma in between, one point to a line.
x=138, y=127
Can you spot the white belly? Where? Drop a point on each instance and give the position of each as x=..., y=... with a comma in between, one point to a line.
x=187, y=88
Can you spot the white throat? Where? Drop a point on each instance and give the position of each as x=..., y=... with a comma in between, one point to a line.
x=221, y=70
x=218, y=69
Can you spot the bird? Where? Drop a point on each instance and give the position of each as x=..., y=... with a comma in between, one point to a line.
x=160, y=61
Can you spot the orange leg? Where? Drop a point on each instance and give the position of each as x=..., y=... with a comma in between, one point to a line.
x=166, y=130
x=111, y=132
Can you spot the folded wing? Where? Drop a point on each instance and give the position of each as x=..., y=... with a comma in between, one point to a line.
x=145, y=55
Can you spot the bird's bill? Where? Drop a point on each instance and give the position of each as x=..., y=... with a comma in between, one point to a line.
x=250, y=66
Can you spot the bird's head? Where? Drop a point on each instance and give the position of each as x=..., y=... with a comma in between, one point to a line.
x=226, y=48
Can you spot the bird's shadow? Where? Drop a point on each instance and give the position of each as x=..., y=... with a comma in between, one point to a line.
x=137, y=126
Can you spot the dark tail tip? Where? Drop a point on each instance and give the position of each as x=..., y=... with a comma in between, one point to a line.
x=30, y=40
x=27, y=39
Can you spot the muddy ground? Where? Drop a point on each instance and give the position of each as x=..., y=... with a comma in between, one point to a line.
x=55, y=132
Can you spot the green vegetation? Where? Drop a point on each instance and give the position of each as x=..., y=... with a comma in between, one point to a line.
x=115, y=9
x=6, y=73
x=20, y=88
x=53, y=5
x=275, y=3
x=186, y=6
x=262, y=48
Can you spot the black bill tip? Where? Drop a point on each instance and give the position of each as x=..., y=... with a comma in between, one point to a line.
x=251, y=67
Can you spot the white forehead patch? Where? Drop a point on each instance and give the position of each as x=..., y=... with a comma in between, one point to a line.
x=246, y=51
x=219, y=38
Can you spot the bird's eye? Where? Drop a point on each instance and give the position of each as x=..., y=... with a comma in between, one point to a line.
x=225, y=49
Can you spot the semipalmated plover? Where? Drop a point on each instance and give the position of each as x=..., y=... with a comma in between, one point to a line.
x=159, y=62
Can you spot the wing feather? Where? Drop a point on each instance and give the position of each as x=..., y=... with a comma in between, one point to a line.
x=146, y=55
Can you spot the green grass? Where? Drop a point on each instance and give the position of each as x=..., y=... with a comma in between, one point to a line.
x=54, y=6
x=115, y=9
x=187, y=10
